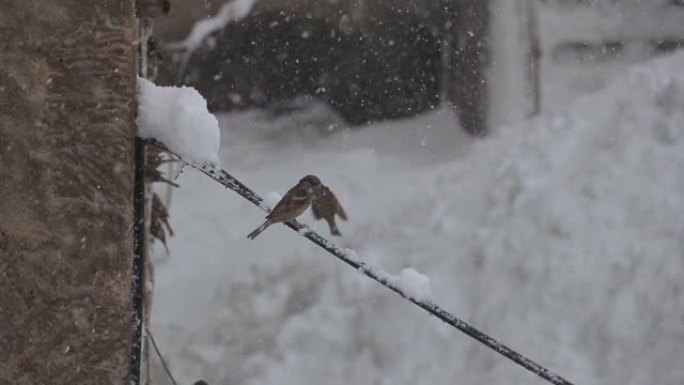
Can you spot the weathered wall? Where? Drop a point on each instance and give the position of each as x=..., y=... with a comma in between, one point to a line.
x=67, y=104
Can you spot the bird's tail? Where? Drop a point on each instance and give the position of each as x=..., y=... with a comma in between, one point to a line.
x=258, y=230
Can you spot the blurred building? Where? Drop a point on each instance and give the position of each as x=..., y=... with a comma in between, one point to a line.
x=497, y=61
x=588, y=42
x=368, y=60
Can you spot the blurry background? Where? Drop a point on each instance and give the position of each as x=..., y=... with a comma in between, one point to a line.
x=376, y=60
x=560, y=233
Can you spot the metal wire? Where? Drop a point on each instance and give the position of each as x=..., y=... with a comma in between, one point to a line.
x=161, y=358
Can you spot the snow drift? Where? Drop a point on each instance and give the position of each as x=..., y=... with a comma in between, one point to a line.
x=563, y=237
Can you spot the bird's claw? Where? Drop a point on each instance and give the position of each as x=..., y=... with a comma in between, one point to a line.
x=298, y=225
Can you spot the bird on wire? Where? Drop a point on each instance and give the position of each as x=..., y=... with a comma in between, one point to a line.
x=292, y=205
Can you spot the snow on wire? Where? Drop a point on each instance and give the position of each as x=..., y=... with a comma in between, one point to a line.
x=390, y=281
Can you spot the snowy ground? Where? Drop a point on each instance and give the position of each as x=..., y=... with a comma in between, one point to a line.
x=563, y=237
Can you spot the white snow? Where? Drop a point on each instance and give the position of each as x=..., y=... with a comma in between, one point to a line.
x=561, y=237
x=413, y=284
x=178, y=117
x=271, y=200
x=229, y=12
x=351, y=255
x=634, y=25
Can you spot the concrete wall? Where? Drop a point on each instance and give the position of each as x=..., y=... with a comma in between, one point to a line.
x=67, y=108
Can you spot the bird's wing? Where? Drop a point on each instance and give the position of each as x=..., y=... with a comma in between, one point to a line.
x=293, y=203
x=316, y=210
x=338, y=207
x=341, y=212
x=279, y=206
x=299, y=198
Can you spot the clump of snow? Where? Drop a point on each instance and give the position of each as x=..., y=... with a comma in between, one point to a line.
x=229, y=12
x=178, y=117
x=351, y=255
x=413, y=284
x=271, y=200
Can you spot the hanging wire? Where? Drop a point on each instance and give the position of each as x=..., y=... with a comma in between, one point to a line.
x=228, y=181
x=161, y=358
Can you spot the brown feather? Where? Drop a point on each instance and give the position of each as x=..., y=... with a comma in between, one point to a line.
x=326, y=206
x=292, y=205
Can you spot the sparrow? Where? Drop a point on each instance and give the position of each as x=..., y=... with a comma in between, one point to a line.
x=292, y=205
x=325, y=205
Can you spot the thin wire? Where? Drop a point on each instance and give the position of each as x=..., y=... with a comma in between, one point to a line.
x=228, y=181
x=161, y=358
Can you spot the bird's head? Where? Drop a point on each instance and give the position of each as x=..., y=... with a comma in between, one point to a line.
x=311, y=182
